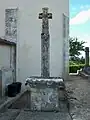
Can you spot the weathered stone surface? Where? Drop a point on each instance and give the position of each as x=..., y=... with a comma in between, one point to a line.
x=40, y=82
x=11, y=24
x=45, y=43
x=44, y=99
x=45, y=93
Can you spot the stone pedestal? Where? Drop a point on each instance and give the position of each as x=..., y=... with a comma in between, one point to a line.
x=45, y=93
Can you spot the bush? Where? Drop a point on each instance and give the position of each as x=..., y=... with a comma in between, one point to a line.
x=72, y=63
x=74, y=68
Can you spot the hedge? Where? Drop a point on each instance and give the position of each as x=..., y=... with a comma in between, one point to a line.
x=74, y=68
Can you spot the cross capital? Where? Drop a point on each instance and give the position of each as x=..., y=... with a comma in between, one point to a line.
x=45, y=14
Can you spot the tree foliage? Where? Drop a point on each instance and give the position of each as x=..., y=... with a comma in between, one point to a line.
x=75, y=47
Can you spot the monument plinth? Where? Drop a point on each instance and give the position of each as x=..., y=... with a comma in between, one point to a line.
x=46, y=91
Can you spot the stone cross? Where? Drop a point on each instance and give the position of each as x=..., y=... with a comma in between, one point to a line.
x=87, y=56
x=45, y=42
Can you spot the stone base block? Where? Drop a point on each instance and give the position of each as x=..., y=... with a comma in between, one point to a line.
x=45, y=94
x=45, y=99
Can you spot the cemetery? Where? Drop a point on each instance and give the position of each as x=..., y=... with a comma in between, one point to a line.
x=35, y=83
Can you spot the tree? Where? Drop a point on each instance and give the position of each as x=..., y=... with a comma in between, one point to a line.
x=75, y=48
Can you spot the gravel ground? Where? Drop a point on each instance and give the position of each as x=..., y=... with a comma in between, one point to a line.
x=43, y=116
x=79, y=97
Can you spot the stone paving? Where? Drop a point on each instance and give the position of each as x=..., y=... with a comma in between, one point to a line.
x=9, y=114
x=78, y=93
x=20, y=103
x=2, y=100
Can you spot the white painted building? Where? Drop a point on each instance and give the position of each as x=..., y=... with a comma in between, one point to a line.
x=7, y=64
x=28, y=36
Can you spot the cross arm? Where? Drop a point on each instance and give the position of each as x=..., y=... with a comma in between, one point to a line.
x=49, y=15
x=40, y=15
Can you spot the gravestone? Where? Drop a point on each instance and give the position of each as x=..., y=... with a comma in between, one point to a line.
x=87, y=56
x=46, y=91
x=86, y=69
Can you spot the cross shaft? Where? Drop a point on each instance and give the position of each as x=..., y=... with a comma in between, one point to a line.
x=45, y=43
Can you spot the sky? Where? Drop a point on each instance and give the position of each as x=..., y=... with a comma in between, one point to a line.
x=80, y=20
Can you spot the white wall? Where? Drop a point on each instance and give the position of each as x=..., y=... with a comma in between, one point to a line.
x=4, y=56
x=29, y=39
x=6, y=67
x=7, y=56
